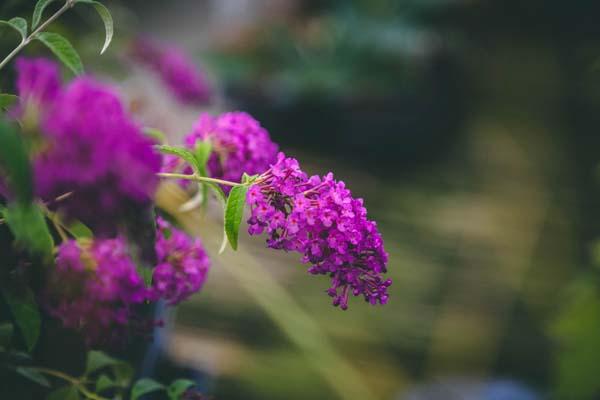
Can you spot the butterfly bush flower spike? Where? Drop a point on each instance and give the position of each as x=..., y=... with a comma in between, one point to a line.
x=318, y=217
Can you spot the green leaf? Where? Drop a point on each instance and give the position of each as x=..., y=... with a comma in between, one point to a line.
x=38, y=11
x=29, y=227
x=106, y=18
x=79, y=230
x=202, y=150
x=6, y=332
x=18, y=24
x=62, y=49
x=7, y=100
x=146, y=273
x=178, y=387
x=157, y=135
x=104, y=382
x=25, y=311
x=64, y=393
x=234, y=212
x=144, y=386
x=97, y=360
x=182, y=153
x=33, y=375
x=15, y=162
x=123, y=373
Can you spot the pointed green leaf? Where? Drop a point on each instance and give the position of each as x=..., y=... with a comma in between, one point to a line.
x=146, y=273
x=123, y=373
x=144, y=386
x=202, y=150
x=180, y=152
x=34, y=376
x=64, y=393
x=104, y=382
x=62, y=49
x=97, y=360
x=25, y=311
x=106, y=18
x=38, y=11
x=18, y=24
x=178, y=387
x=7, y=100
x=234, y=212
x=79, y=230
x=157, y=135
x=29, y=227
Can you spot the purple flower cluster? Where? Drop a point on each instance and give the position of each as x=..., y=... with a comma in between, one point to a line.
x=240, y=144
x=177, y=71
x=95, y=285
x=319, y=218
x=182, y=267
x=93, y=289
x=94, y=150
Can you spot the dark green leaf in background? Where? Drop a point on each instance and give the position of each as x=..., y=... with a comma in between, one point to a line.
x=144, y=386
x=25, y=312
x=15, y=163
x=29, y=227
x=64, y=393
x=34, y=376
x=178, y=387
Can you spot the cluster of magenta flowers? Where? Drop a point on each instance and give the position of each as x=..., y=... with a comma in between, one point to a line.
x=94, y=289
x=96, y=286
x=239, y=144
x=93, y=164
x=186, y=81
x=90, y=148
x=318, y=217
x=182, y=267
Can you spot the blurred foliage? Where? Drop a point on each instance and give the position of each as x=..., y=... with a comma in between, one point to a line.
x=576, y=331
x=341, y=52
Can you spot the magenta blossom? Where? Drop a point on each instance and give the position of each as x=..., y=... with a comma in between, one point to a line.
x=97, y=153
x=186, y=81
x=239, y=144
x=94, y=288
x=319, y=218
x=182, y=264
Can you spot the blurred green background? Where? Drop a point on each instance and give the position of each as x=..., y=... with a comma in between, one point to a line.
x=469, y=128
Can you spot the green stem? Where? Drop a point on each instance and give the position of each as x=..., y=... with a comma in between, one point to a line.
x=72, y=380
x=199, y=179
x=68, y=4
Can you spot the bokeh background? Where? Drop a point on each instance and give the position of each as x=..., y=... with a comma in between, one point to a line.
x=470, y=129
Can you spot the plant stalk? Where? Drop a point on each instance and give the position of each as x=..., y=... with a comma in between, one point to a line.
x=199, y=179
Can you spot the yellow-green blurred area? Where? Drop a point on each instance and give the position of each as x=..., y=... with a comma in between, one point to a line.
x=470, y=128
